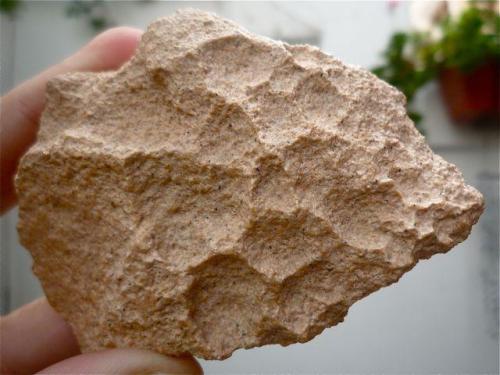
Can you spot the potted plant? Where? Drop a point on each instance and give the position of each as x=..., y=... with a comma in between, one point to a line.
x=460, y=49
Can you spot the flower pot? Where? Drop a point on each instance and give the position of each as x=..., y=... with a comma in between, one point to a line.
x=472, y=96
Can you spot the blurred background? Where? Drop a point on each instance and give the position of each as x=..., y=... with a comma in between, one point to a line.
x=443, y=316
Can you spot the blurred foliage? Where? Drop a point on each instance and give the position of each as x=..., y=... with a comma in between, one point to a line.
x=95, y=12
x=471, y=40
x=412, y=59
x=9, y=6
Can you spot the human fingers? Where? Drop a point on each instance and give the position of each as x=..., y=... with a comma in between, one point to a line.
x=34, y=337
x=125, y=362
x=20, y=109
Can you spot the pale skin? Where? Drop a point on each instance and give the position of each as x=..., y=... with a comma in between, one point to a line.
x=34, y=338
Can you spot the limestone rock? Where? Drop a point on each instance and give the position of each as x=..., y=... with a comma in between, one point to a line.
x=223, y=191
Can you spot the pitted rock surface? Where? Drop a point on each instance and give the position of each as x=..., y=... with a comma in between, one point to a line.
x=223, y=191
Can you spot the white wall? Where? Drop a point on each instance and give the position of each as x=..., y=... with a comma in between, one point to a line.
x=441, y=317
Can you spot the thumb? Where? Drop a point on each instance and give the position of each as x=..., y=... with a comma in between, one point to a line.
x=125, y=361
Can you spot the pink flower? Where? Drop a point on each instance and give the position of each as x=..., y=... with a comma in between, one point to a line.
x=393, y=4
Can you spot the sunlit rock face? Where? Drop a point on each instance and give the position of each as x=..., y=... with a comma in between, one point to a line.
x=223, y=190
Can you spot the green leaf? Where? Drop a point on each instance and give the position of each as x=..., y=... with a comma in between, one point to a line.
x=9, y=6
x=98, y=23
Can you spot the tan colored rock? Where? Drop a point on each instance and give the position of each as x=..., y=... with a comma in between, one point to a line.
x=225, y=191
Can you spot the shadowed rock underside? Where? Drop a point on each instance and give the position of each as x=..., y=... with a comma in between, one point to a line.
x=223, y=191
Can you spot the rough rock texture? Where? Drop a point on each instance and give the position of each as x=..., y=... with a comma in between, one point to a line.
x=224, y=191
